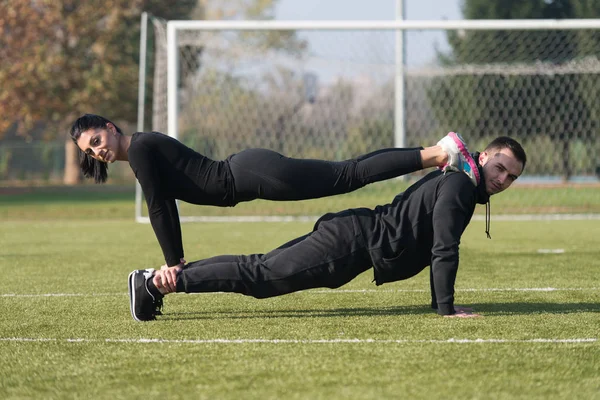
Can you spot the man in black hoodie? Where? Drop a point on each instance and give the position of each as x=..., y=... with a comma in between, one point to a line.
x=421, y=227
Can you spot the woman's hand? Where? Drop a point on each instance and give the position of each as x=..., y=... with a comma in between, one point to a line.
x=165, y=279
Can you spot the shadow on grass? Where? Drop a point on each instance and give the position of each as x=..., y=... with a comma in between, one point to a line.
x=487, y=309
x=333, y=313
x=535, y=308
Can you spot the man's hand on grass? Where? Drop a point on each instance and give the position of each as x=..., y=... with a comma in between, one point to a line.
x=463, y=312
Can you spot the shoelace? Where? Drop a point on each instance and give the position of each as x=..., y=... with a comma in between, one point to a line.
x=488, y=217
x=158, y=304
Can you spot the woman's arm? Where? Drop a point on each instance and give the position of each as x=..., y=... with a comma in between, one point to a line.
x=162, y=211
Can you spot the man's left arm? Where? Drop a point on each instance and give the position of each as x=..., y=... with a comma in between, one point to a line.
x=452, y=211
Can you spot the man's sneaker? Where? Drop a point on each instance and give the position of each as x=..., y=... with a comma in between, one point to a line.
x=143, y=304
x=459, y=158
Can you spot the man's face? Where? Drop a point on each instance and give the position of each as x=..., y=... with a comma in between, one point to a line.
x=500, y=169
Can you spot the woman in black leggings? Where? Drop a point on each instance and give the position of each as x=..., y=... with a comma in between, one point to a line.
x=167, y=171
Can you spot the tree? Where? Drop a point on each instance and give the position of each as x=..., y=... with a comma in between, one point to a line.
x=231, y=108
x=62, y=58
x=558, y=106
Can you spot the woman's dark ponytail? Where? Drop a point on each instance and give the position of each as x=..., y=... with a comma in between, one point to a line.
x=92, y=168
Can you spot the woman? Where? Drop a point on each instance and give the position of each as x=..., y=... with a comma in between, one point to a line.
x=167, y=171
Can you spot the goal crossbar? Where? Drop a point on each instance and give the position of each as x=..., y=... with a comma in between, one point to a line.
x=472, y=24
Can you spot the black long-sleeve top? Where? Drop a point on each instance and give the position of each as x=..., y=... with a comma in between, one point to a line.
x=168, y=170
x=423, y=226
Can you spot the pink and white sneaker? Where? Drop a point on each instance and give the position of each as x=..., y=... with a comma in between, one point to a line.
x=459, y=158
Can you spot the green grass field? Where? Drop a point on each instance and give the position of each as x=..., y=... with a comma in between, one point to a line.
x=66, y=330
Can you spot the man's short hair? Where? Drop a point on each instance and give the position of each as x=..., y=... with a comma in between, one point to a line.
x=505, y=142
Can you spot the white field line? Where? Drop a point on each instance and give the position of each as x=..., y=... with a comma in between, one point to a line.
x=546, y=289
x=313, y=218
x=302, y=341
x=327, y=291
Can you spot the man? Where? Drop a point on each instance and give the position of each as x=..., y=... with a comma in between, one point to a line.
x=421, y=227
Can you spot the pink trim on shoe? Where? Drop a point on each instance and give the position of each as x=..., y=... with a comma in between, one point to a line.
x=465, y=152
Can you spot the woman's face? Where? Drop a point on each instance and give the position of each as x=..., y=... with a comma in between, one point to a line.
x=100, y=143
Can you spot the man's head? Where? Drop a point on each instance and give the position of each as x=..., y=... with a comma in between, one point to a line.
x=503, y=161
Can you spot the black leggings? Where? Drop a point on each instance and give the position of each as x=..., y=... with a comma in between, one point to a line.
x=265, y=174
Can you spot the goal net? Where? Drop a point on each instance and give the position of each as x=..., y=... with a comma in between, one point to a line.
x=335, y=90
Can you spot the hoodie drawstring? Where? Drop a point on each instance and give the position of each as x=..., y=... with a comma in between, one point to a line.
x=488, y=217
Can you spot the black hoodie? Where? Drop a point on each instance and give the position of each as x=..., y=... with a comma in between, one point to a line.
x=421, y=227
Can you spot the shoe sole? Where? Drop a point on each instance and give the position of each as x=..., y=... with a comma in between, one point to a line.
x=465, y=152
x=131, y=281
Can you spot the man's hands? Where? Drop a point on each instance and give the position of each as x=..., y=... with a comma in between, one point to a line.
x=463, y=312
x=165, y=279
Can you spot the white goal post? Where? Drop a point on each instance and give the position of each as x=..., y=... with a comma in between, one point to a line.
x=219, y=53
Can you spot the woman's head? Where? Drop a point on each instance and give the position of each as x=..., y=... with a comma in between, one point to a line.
x=98, y=141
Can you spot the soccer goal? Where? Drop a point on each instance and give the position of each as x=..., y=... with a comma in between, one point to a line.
x=336, y=89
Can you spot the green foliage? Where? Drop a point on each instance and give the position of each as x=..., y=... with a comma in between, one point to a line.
x=365, y=132
x=519, y=9
x=562, y=107
x=60, y=59
x=5, y=158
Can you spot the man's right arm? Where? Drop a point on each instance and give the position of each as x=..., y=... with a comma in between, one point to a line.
x=454, y=206
x=432, y=287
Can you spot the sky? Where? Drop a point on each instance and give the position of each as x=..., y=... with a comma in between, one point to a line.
x=365, y=9
x=419, y=50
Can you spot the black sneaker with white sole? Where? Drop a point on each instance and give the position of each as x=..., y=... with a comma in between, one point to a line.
x=144, y=306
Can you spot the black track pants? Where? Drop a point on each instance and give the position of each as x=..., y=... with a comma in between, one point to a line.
x=265, y=174
x=330, y=256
